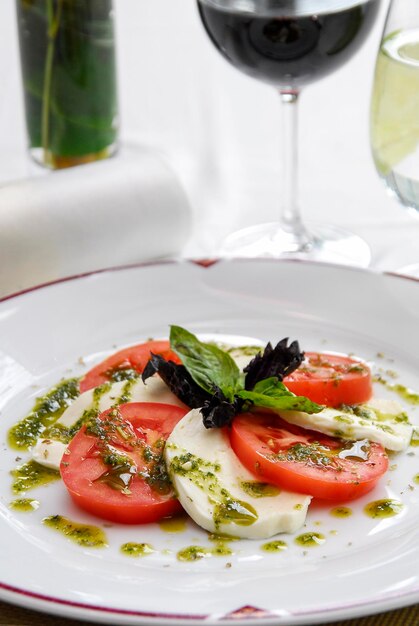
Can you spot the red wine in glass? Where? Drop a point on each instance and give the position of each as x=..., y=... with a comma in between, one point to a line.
x=288, y=44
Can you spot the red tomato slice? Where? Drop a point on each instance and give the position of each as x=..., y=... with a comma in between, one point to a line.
x=331, y=379
x=304, y=461
x=114, y=468
x=132, y=358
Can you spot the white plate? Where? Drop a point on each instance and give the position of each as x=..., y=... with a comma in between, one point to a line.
x=364, y=566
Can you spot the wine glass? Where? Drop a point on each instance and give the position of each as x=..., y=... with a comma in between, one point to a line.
x=395, y=114
x=288, y=44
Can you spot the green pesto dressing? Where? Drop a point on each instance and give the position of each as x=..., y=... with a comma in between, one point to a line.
x=410, y=396
x=233, y=511
x=341, y=511
x=415, y=438
x=118, y=477
x=196, y=553
x=176, y=524
x=84, y=535
x=120, y=470
x=274, y=546
x=118, y=374
x=372, y=415
x=126, y=391
x=136, y=550
x=383, y=508
x=416, y=479
x=24, y=505
x=310, y=540
x=203, y=474
x=313, y=453
x=65, y=434
x=47, y=410
x=256, y=489
x=222, y=538
x=31, y=475
x=98, y=393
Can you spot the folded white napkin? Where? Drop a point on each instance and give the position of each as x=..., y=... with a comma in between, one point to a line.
x=127, y=209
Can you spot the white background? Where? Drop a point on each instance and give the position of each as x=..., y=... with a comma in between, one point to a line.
x=221, y=130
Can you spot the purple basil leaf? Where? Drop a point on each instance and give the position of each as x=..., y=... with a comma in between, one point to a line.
x=178, y=379
x=218, y=411
x=273, y=362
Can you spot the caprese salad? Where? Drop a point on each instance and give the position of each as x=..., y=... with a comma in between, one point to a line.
x=242, y=439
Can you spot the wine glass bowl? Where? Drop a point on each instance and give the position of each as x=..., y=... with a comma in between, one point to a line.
x=289, y=44
x=395, y=117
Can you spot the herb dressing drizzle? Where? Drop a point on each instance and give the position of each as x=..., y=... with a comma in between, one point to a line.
x=136, y=550
x=383, y=508
x=24, y=505
x=84, y=535
x=47, y=410
x=31, y=475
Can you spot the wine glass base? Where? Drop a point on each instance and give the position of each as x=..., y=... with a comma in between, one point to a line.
x=324, y=243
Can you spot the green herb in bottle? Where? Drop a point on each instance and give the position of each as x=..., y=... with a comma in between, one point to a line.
x=67, y=52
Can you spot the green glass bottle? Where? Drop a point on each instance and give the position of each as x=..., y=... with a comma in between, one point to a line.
x=67, y=51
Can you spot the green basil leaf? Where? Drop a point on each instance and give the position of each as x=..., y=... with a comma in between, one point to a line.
x=208, y=365
x=272, y=387
x=81, y=98
x=272, y=394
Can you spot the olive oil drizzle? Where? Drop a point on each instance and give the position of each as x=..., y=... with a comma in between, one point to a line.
x=257, y=489
x=126, y=391
x=274, y=546
x=408, y=395
x=386, y=507
x=31, y=475
x=341, y=511
x=120, y=468
x=177, y=524
x=310, y=539
x=84, y=535
x=24, y=505
x=136, y=550
x=47, y=410
x=196, y=553
x=415, y=438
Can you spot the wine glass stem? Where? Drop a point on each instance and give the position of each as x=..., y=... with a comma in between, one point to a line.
x=291, y=220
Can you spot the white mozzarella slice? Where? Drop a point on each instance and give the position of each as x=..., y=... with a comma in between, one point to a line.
x=381, y=421
x=219, y=493
x=49, y=452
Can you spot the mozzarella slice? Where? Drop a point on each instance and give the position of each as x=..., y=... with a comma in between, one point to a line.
x=381, y=421
x=219, y=493
x=49, y=452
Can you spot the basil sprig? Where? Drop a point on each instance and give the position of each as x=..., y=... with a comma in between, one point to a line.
x=210, y=367
x=215, y=371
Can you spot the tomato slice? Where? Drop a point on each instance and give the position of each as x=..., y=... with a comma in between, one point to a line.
x=331, y=379
x=304, y=461
x=114, y=468
x=125, y=362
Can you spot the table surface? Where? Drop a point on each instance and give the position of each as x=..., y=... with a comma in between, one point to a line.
x=221, y=132
x=15, y=616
